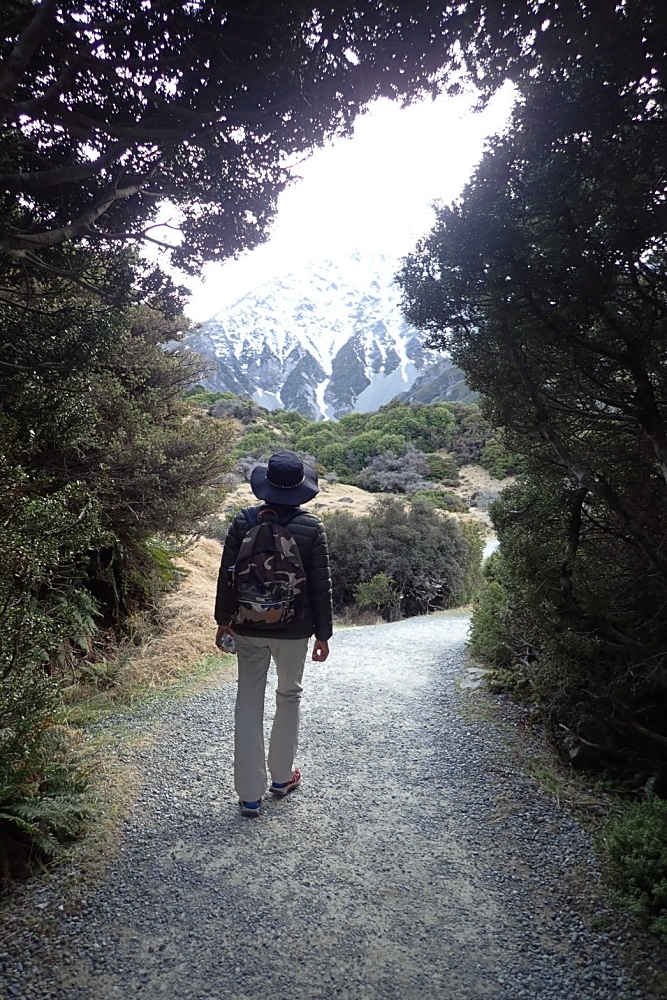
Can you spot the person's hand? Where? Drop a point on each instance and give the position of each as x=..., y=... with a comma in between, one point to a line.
x=221, y=631
x=320, y=650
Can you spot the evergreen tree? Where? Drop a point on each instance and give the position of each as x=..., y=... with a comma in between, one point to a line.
x=548, y=283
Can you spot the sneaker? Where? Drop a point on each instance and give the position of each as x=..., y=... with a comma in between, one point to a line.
x=285, y=787
x=249, y=808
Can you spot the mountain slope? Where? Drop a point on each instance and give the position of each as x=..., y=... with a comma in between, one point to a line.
x=324, y=341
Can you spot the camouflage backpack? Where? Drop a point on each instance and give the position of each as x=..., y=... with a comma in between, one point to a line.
x=268, y=575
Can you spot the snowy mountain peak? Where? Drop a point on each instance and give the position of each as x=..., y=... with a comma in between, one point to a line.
x=324, y=340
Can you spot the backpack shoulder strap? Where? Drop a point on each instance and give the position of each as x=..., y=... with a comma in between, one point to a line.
x=250, y=514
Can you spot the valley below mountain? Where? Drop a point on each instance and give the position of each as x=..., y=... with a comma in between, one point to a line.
x=325, y=340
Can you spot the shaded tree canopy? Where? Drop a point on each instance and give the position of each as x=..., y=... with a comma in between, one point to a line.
x=547, y=281
x=111, y=107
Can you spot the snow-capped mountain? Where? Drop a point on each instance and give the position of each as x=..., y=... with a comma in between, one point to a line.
x=324, y=340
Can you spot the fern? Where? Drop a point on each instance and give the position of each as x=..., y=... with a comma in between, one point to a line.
x=45, y=800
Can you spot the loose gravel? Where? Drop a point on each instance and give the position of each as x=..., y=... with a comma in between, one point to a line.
x=414, y=861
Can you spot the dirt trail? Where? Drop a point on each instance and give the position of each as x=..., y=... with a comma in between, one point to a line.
x=414, y=861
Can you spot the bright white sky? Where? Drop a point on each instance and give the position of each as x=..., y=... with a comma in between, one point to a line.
x=371, y=192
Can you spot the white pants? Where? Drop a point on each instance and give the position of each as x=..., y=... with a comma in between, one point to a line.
x=254, y=655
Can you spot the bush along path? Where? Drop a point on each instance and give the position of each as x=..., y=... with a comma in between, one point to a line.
x=413, y=861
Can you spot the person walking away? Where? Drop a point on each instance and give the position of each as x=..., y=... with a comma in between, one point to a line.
x=272, y=606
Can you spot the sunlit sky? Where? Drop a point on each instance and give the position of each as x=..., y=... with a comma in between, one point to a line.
x=371, y=192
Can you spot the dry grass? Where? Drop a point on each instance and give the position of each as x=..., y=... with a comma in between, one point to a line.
x=332, y=496
x=473, y=478
x=116, y=786
x=175, y=646
x=187, y=629
x=337, y=496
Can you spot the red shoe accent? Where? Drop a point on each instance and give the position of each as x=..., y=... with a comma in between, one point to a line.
x=284, y=789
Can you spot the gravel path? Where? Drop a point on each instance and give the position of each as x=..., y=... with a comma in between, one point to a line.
x=413, y=862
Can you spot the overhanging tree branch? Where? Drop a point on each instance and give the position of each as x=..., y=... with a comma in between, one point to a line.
x=29, y=41
x=646, y=406
x=35, y=180
x=79, y=227
x=579, y=469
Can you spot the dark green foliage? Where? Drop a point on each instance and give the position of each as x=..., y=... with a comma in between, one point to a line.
x=46, y=610
x=470, y=435
x=488, y=632
x=425, y=555
x=45, y=799
x=636, y=845
x=353, y=423
x=223, y=114
x=99, y=455
x=204, y=397
x=378, y=594
x=443, y=500
x=316, y=437
x=290, y=421
x=497, y=460
x=578, y=636
x=369, y=444
x=258, y=440
x=489, y=625
x=475, y=536
x=335, y=457
x=547, y=283
x=443, y=468
x=376, y=451
x=426, y=427
x=236, y=91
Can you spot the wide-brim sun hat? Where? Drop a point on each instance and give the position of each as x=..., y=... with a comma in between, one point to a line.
x=285, y=480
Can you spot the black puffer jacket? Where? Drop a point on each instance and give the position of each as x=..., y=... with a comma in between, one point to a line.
x=316, y=610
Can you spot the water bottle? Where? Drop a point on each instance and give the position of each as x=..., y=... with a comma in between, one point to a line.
x=226, y=643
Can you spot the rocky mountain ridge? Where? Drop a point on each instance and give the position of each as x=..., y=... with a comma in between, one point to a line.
x=324, y=340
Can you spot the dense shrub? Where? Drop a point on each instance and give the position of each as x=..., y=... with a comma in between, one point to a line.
x=425, y=427
x=443, y=468
x=390, y=473
x=43, y=611
x=353, y=423
x=239, y=407
x=316, y=437
x=288, y=421
x=335, y=456
x=475, y=536
x=488, y=627
x=546, y=282
x=100, y=454
x=574, y=618
x=426, y=556
x=497, y=460
x=378, y=594
x=443, y=500
x=636, y=844
x=470, y=435
x=363, y=447
x=350, y=445
x=258, y=441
